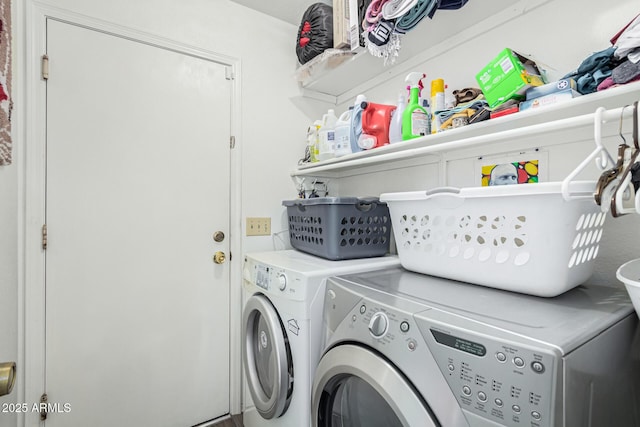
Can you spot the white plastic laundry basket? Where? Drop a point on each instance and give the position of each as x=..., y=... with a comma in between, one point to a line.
x=524, y=238
x=629, y=274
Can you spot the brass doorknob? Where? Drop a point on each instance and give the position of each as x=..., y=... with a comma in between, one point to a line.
x=219, y=257
x=7, y=377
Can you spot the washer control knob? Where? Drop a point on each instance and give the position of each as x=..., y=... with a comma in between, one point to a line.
x=378, y=324
x=282, y=281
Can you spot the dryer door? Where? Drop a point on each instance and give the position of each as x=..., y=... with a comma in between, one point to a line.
x=267, y=358
x=355, y=387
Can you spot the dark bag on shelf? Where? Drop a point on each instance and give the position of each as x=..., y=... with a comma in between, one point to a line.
x=315, y=33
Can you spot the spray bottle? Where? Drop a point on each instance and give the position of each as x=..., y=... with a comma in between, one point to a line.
x=415, y=119
x=395, y=128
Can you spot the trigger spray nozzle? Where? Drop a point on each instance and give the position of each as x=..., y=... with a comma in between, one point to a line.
x=414, y=79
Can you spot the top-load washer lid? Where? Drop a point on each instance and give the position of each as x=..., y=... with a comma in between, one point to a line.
x=313, y=266
x=564, y=322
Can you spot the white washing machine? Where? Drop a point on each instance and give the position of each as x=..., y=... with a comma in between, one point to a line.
x=282, y=316
x=409, y=350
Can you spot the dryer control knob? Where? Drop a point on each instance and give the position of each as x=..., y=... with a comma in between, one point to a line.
x=378, y=324
x=282, y=282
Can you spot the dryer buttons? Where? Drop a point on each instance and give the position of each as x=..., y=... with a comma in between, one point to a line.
x=537, y=367
x=404, y=326
x=378, y=324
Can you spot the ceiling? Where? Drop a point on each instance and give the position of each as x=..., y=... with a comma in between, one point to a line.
x=287, y=10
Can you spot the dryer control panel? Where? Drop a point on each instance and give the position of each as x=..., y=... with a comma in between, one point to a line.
x=276, y=281
x=507, y=382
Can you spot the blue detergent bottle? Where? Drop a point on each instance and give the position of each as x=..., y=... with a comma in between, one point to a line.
x=356, y=123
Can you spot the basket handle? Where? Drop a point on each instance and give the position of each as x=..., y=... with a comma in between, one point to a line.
x=447, y=197
x=366, y=204
x=443, y=190
x=301, y=207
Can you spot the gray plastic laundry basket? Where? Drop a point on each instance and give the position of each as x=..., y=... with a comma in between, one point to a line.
x=339, y=228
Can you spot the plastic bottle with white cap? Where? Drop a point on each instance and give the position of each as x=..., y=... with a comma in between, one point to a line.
x=327, y=146
x=395, y=128
x=343, y=133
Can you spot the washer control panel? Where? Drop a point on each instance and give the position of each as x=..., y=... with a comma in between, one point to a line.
x=509, y=384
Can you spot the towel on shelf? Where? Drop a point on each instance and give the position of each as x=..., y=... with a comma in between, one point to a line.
x=6, y=103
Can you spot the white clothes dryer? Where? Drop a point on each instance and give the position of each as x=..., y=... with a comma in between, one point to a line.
x=281, y=322
x=411, y=350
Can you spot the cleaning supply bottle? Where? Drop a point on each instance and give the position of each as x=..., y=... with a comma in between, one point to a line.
x=343, y=133
x=327, y=146
x=449, y=99
x=415, y=120
x=376, y=121
x=395, y=128
x=313, y=140
x=437, y=103
x=356, y=123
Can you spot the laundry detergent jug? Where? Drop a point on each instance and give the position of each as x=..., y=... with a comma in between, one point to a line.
x=343, y=133
x=327, y=147
x=376, y=119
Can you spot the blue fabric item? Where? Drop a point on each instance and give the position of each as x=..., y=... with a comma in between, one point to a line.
x=593, y=70
x=409, y=20
x=443, y=115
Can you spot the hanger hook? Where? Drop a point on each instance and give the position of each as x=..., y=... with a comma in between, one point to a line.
x=635, y=125
x=624, y=140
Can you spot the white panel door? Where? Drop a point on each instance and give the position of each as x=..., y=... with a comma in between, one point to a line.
x=137, y=313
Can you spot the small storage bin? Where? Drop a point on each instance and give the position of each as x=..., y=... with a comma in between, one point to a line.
x=339, y=228
x=525, y=238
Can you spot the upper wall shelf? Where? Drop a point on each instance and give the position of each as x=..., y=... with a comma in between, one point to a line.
x=342, y=80
x=485, y=136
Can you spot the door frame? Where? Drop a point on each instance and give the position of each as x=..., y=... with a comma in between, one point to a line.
x=32, y=175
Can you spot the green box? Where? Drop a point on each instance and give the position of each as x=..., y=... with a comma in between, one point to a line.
x=508, y=77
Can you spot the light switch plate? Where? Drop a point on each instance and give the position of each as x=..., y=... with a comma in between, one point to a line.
x=258, y=226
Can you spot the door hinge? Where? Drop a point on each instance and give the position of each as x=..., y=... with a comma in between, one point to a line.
x=44, y=237
x=43, y=406
x=228, y=73
x=232, y=142
x=45, y=67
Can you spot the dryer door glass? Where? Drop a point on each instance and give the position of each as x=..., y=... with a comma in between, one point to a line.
x=356, y=403
x=355, y=387
x=263, y=356
x=267, y=358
